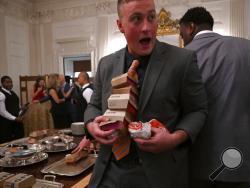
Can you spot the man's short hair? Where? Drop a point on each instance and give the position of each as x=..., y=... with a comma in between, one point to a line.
x=85, y=75
x=4, y=78
x=199, y=16
x=119, y=3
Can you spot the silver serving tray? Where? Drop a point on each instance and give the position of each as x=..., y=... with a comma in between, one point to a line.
x=22, y=153
x=16, y=162
x=46, y=184
x=63, y=169
x=56, y=147
x=43, y=183
x=58, y=143
x=30, y=149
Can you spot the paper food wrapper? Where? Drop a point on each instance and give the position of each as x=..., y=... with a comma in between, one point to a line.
x=143, y=130
x=118, y=126
x=116, y=115
x=121, y=101
x=140, y=130
x=124, y=80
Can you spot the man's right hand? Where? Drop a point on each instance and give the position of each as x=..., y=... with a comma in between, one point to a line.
x=103, y=137
x=19, y=119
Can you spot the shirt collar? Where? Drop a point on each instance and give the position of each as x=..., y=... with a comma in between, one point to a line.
x=85, y=85
x=7, y=91
x=202, y=32
x=129, y=58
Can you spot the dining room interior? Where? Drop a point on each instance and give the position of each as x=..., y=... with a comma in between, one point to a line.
x=43, y=37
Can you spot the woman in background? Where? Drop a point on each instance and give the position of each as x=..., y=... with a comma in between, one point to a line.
x=59, y=111
x=39, y=90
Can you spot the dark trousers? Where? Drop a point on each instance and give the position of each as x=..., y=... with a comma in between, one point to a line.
x=124, y=176
x=10, y=130
x=216, y=184
x=61, y=121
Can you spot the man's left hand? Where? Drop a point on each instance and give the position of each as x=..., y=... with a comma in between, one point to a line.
x=161, y=140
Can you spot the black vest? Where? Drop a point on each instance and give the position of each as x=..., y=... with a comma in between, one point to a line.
x=79, y=100
x=11, y=102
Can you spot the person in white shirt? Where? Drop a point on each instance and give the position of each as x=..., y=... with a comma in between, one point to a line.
x=86, y=89
x=10, y=124
x=3, y=112
x=80, y=97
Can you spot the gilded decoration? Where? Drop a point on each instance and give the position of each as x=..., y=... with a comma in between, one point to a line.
x=167, y=26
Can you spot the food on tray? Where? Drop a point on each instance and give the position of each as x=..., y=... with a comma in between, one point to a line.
x=35, y=136
x=74, y=157
x=57, y=143
x=32, y=140
x=39, y=133
x=13, y=148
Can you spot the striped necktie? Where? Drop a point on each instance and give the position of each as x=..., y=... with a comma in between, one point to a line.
x=121, y=148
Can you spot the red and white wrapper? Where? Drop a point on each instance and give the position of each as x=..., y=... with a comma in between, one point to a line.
x=143, y=130
x=140, y=130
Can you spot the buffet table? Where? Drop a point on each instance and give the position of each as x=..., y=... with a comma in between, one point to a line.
x=35, y=169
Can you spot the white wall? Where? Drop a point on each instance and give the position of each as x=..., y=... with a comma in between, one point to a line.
x=247, y=19
x=73, y=38
x=3, y=63
x=17, y=48
x=116, y=39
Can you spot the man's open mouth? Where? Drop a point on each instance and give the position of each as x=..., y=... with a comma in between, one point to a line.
x=145, y=41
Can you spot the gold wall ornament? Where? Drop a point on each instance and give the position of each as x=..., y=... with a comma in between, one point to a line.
x=167, y=26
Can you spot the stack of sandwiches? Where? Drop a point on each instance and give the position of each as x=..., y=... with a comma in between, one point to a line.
x=122, y=104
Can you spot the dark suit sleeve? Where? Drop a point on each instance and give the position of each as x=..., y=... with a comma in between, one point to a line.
x=94, y=107
x=193, y=99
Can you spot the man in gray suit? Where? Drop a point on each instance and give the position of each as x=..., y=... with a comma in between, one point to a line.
x=225, y=66
x=170, y=90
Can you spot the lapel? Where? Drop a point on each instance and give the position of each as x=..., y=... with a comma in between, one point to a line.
x=152, y=74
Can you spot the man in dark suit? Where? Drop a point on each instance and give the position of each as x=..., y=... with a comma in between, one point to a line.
x=10, y=124
x=170, y=90
x=224, y=62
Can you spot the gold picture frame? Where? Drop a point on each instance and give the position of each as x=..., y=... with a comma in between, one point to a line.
x=168, y=29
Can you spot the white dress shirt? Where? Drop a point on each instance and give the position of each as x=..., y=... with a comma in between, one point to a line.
x=87, y=92
x=202, y=32
x=3, y=112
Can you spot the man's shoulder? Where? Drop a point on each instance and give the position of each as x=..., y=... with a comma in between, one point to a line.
x=168, y=48
x=235, y=40
x=111, y=57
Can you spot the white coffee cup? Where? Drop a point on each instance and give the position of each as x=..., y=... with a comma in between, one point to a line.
x=77, y=128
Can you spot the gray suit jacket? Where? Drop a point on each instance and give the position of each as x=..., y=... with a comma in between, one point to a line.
x=225, y=66
x=172, y=92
